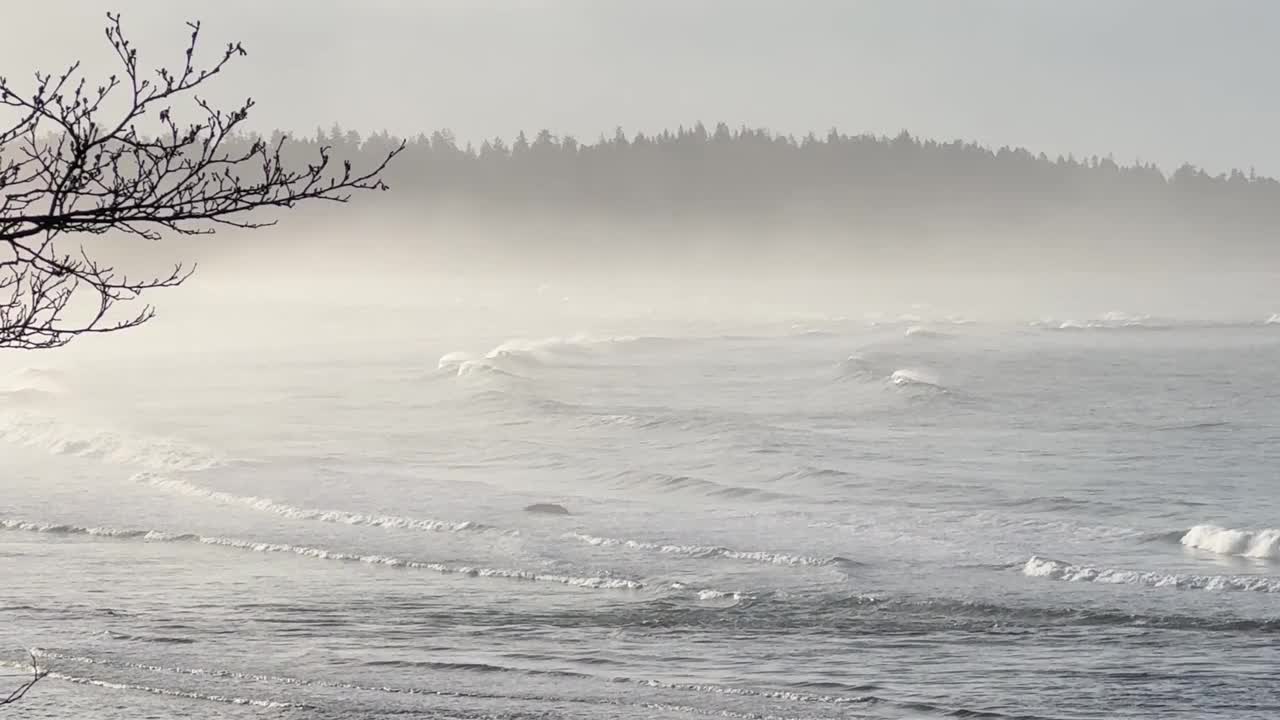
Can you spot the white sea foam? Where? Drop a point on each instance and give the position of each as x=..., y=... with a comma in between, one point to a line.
x=703, y=551
x=170, y=692
x=785, y=695
x=292, y=512
x=709, y=595
x=602, y=582
x=56, y=529
x=1264, y=544
x=1057, y=570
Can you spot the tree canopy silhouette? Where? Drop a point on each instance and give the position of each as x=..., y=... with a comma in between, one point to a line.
x=858, y=190
x=80, y=160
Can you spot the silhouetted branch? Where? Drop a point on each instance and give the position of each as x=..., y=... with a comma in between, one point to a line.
x=68, y=167
x=37, y=674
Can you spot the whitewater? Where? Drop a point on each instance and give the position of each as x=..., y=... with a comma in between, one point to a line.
x=918, y=515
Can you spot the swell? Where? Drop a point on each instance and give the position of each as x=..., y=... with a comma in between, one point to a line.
x=598, y=582
x=349, y=687
x=862, y=697
x=698, y=486
x=158, y=639
x=44, y=656
x=762, y=614
x=981, y=613
x=1057, y=570
x=292, y=512
x=470, y=667
x=860, y=369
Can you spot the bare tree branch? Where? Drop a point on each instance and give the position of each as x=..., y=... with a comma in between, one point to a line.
x=69, y=167
x=37, y=674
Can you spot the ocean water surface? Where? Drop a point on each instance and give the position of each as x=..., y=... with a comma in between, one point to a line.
x=916, y=518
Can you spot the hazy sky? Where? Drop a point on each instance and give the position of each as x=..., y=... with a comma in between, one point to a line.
x=1160, y=80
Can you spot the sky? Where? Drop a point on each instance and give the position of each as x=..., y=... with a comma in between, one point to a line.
x=1165, y=81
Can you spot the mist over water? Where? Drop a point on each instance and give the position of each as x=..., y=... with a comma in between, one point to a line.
x=876, y=360
x=883, y=492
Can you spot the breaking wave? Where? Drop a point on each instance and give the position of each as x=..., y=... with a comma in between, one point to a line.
x=516, y=354
x=110, y=446
x=920, y=332
x=483, y=368
x=52, y=529
x=599, y=582
x=452, y=362
x=1128, y=321
x=296, y=513
x=857, y=367
x=1262, y=544
x=1057, y=570
x=1107, y=321
x=706, y=551
x=32, y=383
x=908, y=377
x=709, y=595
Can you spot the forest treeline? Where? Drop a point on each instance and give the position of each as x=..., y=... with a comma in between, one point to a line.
x=902, y=184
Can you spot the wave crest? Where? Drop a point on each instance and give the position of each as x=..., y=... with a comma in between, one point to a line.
x=33, y=383
x=1057, y=570
x=170, y=692
x=1114, y=320
x=1263, y=544
x=908, y=377
x=597, y=582
x=512, y=356
x=58, y=529
x=340, y=517
x=109, y=446
x=920, y=332
x=451, y=362
x=705, y=551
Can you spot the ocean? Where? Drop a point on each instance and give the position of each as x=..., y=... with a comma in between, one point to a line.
x=890, y=517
